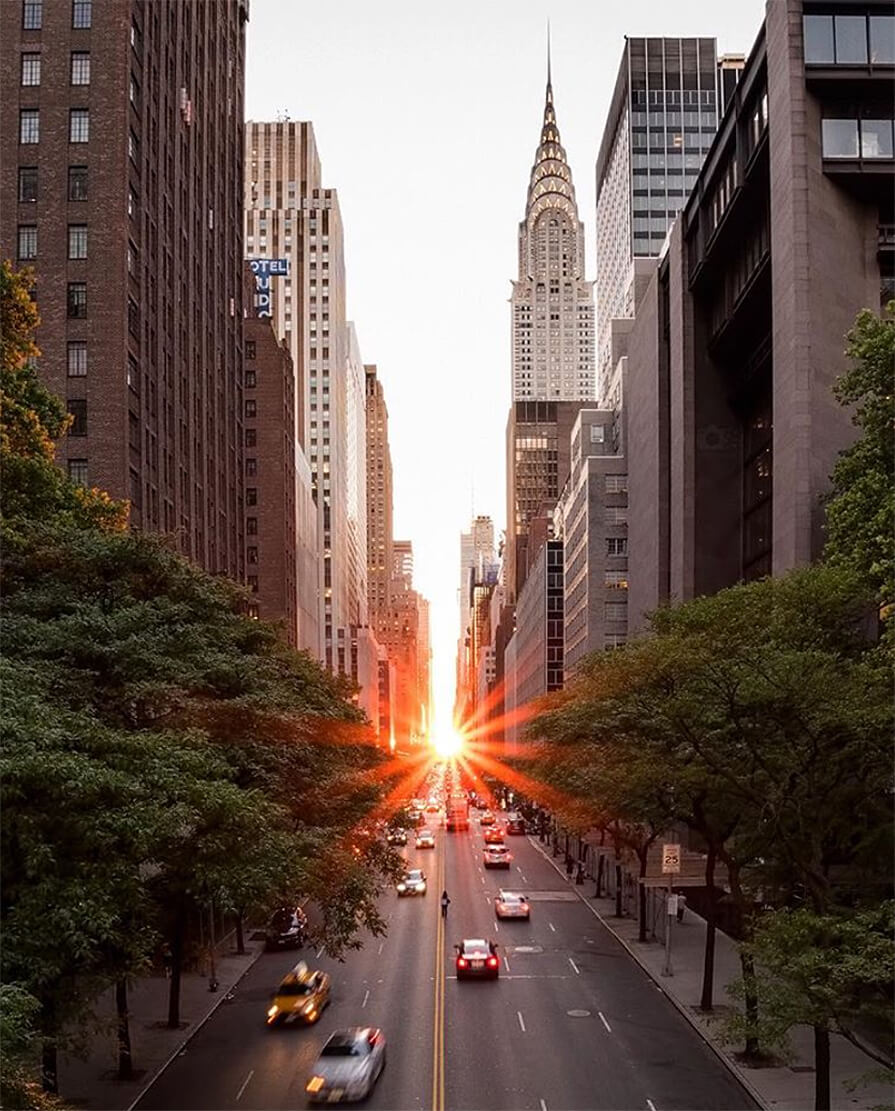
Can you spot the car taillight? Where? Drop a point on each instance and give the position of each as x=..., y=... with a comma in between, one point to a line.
x=461, y=962
x=492, y=962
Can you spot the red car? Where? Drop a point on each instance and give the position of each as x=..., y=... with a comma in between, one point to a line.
x=493, y=836
x=477, y=958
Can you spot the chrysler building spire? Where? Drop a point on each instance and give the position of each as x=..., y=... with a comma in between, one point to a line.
x=553, y=310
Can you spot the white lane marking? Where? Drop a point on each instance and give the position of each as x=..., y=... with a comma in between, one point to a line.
x=575, y=966
x=552, y=927
x=506, y=961
x=497, y=927
x=320, y=952
x=482, y=878
x=366, y=997
x=603, y=1020
x=521, y=1020
x=381, y=944
x=245, y=1083
x=543, y=1105
x=651, y=1105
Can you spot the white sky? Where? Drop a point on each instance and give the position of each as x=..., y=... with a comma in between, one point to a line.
x=427, y=118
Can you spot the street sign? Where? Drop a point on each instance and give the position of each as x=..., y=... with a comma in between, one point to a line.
x=671, y=859
x=671, y=905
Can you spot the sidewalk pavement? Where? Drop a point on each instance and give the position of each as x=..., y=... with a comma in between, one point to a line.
x=787, y=1086
x=92, y=1082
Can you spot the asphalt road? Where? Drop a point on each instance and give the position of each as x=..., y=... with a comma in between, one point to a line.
x=573, y=1022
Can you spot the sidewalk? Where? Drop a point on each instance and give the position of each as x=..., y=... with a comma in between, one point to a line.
x=92, y=1082
x=785, y=1087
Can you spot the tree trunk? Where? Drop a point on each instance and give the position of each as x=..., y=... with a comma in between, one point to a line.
x=750, y=1002
x=641, y=933
x=176, y=966
x=125, y=1063
x=706, y=1003
x=240, y=939
x=618, y=888
x=601, y=863
x=49, y=1072
x=821, y=1068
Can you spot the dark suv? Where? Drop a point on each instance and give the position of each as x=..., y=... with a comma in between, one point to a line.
x=287, y=928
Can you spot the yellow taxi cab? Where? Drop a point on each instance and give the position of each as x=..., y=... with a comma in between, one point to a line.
x=301, y=997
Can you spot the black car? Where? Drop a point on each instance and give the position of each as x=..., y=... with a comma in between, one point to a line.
x=288, y=928
x=397, y=837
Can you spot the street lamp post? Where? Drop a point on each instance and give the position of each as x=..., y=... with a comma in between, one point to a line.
x=212, y=978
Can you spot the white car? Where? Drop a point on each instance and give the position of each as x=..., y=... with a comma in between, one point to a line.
x=509, y=905
x=348, y=1066
x=496, y=856
x=413, y=883
x=425, y=839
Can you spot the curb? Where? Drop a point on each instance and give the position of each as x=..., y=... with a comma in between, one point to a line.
x=195, y=1030
x=731, y=1066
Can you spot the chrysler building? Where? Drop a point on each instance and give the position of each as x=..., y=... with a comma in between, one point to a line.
x=553, y=306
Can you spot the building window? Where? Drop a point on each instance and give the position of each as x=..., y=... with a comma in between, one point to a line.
x=251, y=437
x=251, y=555
x=77, y=240
x=77, y=359
x=840, y=138
x=252, y=526
x=133, y=318
x=616, y=546
x=77, y=183
x=615, y=611
x=616, y=483
x=80, y=67
x=133, y=147
x=613, y=640
x=597, y=433
x=253, y=583
x=77, y=471
x=616, y=580
x=77, y=410
x=882, y=39
x=79, y=125
x=81, y=12
x=32, y=15
x=30, y=69
x=251, y=408
x=876, y=139
x=851, y=38
x=27, y=183
x=27, y=243
x=251, y=468
x=251, y=380
x=818, y=35
x=252, y=495
x=250, y=349
x=77, y=301
x=134, y=92
x=29, y=125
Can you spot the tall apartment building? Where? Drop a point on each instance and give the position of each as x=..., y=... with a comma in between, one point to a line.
x=291, y=216
x=121, y=156
x=380, y=534
x=592, y=520
x=740, y=335
x=662, y=118
x=356, y=480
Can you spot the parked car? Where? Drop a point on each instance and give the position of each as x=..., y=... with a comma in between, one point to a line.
x=288, y=927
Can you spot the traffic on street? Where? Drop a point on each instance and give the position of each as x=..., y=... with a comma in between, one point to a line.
x=512, y=995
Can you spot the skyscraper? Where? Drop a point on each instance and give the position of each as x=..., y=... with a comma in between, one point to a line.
x=380, y=537
x=553, y=309
x=121, y=156
x=662, y=118
x=553, y=343
x=291, y=216
x=476, y=550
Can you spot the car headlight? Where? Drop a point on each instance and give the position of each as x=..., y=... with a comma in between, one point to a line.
x=402, y=886
x=315, y=1084
x=422, y=887
x=272, y=1011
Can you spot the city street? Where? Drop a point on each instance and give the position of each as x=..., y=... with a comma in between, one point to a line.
x=572, y=1022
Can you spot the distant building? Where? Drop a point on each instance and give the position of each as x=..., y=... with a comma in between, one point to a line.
x=740, y=334
x=593, y=515
x=119, y=185
x=380, y=536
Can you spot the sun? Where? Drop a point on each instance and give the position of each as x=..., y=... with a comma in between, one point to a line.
x=448, y=745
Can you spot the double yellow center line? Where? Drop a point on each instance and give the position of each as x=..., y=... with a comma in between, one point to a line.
x=438, y=1024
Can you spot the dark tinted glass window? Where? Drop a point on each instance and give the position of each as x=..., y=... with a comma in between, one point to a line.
x=77, y=183
x=27, y=183
x=77, y=409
